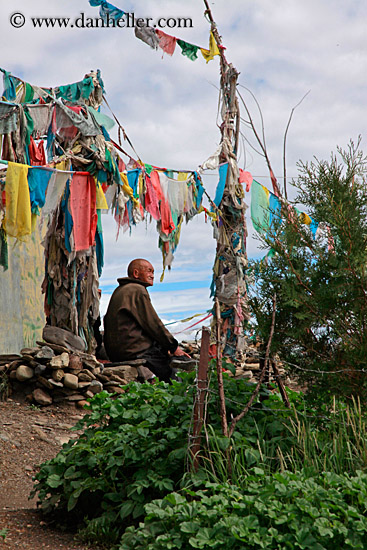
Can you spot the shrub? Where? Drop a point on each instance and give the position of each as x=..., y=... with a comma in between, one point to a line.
x=320, y=283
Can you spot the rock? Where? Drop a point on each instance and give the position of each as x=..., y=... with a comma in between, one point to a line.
x=58, y=375
x=45, y=353
x=115, y=389
x=24, y=373
x=75, y=397
x=45, y=383
x=89, y=394
x=40, y=369
x=41, y=434
x=119, y=380
x=41, y=397
x=60, y=361
x=55, y=384
x=61, y=440
x=96, y=386
x=7, y=358
x=55, y=347
x=14, y=365
x=91, y=362
x=71, y=381
x=83, y=385
x=102, y=378
x=4, y=437
x=126, y=372
x=81, y=404
x=253, y=366
x=86, y=375
x=63, y=337
x=13, y=375
x=29, y=351
x=75, y=363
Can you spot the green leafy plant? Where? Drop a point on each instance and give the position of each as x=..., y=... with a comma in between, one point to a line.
x=268, y=512
x=3, y=533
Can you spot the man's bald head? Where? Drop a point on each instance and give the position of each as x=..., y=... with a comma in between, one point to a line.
x=142, y=270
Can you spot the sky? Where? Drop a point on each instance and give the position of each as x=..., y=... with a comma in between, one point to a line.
x=168, y=105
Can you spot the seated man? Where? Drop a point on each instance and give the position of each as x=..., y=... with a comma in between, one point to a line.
x=132, y=328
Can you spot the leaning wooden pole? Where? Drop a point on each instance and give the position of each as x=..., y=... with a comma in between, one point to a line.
x=202, y=387
x=229, y=270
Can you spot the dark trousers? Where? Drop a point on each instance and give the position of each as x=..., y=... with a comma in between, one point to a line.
x=158, y=362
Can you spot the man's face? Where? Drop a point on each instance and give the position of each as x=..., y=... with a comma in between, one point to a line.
x=145, y=273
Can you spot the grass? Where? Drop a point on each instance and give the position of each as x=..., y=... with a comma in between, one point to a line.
x=334, y=442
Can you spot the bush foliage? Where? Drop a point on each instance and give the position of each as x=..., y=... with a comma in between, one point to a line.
x=320, y=283
x=133, y=451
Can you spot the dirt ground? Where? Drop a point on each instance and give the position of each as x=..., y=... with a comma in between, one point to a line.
x=28, y=437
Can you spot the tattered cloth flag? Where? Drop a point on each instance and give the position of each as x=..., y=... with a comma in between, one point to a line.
x=166, y=42
x=107, y=11
x=213, y=49
x=189, y=50
x=147, y=35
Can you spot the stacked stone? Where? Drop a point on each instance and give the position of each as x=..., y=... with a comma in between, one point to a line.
x=52, y=373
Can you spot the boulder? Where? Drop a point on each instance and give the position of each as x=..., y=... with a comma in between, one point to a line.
x=24, y=373
x=63, y=337
x=71, y=381
x=41, y=397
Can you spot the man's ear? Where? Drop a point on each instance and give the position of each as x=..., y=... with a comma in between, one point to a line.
x=136, y=273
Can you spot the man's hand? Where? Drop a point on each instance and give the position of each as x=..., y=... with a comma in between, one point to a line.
x=179, y=352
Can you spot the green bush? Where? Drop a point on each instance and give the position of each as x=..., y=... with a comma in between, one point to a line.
x=134, y=450
x=270, y=512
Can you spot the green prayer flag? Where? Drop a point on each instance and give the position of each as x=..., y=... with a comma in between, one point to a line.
x=188, y=49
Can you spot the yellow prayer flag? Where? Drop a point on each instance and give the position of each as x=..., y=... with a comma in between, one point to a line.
x=182, y=176
x=18, y=203
x=213, y=49
x=101, y=203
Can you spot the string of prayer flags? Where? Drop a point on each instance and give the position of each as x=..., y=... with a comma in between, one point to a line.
x=157, y=38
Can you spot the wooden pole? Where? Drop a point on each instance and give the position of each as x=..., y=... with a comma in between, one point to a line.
x=202, y=386
x=281, y=387
x=223, y=412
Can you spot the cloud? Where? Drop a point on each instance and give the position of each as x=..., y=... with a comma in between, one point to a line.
x=168, y=106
